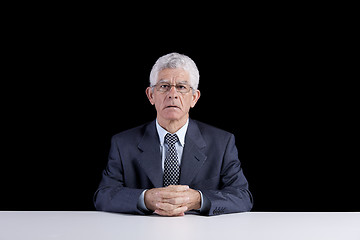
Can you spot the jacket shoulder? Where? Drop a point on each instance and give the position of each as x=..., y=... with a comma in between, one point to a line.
x=207, y=129
x=131, y=134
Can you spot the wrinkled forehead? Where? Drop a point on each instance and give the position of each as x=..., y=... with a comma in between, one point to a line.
x=173, y=75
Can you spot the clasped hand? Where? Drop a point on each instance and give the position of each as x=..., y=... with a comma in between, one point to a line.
x=173, y=200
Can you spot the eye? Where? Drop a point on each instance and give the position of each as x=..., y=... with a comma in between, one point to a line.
x=181, y=87
x=164, y=86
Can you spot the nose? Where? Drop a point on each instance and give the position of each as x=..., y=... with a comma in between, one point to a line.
x=173, y=92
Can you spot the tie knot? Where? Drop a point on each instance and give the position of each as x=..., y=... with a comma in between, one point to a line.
x=171, y=138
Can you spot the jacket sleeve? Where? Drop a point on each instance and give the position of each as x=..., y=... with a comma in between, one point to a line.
x=112, y=195
x=233, y=194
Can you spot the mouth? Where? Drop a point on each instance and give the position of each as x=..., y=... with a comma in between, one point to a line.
x=171, y=106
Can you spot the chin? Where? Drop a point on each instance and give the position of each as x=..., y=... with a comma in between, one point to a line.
x=172, y=117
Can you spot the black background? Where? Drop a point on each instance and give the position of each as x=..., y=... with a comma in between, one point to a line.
x=278, y=83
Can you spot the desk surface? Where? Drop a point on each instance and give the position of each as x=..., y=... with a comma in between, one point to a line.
x=251, y=225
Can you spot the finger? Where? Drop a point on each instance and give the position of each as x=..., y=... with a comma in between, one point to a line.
x=177, y=200
x=166, y=206
x=175, y=212
x=177, y=188
x=171, y=193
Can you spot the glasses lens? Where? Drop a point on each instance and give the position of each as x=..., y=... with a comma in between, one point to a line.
x=182, y=88
x=165, y=87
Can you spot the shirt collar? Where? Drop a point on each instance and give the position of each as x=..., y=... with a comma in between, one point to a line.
x=180, y=133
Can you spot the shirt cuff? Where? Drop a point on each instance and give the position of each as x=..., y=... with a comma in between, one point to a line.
x=205, y=203
x=141, y=202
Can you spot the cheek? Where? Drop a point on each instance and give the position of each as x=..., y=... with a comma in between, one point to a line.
x=157, y=105
x=187, y=102
x=158, y=102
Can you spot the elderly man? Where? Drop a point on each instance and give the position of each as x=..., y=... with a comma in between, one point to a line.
x=174, y=164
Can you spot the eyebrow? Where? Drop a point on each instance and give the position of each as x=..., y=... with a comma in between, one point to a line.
x=167, y=81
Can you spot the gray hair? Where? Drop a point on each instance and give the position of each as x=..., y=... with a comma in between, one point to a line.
x=176, y=60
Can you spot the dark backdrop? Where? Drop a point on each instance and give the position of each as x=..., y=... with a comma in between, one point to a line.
x=71, y=85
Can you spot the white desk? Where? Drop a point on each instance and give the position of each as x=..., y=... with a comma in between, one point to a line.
x=251, y=225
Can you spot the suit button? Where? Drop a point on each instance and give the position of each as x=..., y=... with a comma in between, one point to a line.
x=219, y=210
x=216, y=211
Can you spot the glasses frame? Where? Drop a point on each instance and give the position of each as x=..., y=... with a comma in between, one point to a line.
x=171, y=86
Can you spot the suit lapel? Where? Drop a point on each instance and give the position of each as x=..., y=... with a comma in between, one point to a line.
x=193, y=157
x=150, y=158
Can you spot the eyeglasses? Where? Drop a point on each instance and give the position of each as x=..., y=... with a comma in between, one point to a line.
x=166, y=87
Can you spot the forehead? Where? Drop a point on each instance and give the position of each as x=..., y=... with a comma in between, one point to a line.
x=171, y=74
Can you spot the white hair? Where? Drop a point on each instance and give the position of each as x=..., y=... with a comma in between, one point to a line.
x=176, y=60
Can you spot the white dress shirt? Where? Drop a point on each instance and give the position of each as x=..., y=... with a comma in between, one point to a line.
x=163, y=150
x=179, y=145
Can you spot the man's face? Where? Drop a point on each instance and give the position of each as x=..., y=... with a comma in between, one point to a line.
x=172, y=105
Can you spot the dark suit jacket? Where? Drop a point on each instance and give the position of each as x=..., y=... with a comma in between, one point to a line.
x=209, y=163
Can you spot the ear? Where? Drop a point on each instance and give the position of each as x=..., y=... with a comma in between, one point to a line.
x=150, y=94
x=195, y=98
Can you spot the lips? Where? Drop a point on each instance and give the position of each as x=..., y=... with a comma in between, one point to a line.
x=172, y=106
